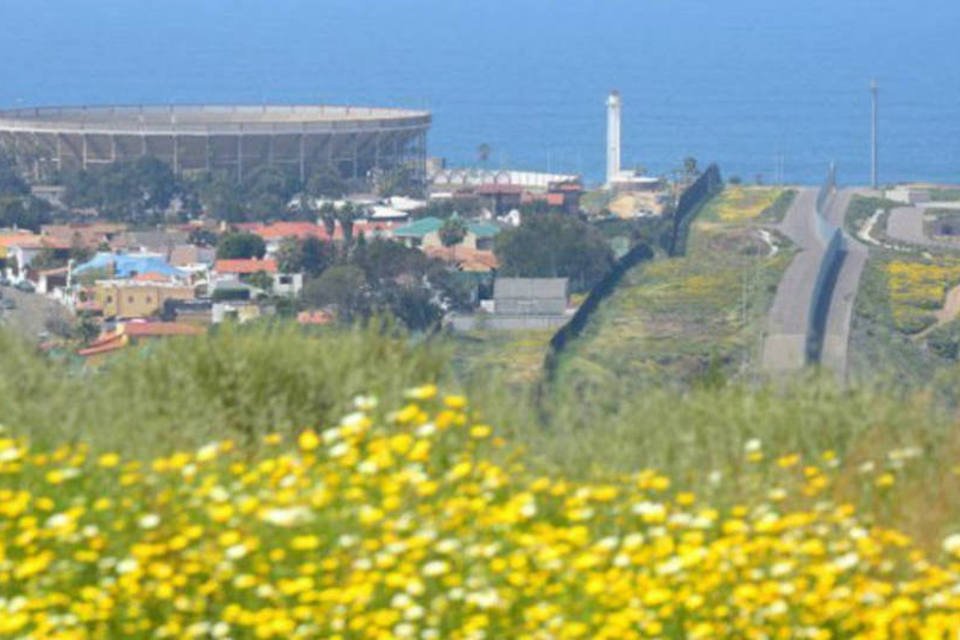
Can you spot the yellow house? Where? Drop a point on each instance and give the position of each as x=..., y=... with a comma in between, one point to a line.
x=132, y=299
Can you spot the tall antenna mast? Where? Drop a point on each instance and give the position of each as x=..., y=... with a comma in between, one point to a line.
x=875, y=137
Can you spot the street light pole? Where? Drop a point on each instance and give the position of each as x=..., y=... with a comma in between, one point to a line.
x=875, y=136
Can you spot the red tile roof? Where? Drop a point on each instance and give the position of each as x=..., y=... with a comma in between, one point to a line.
x=104, y=344
x=467, y=259
x=245, y=266
x=284, y=229
x=317, y=317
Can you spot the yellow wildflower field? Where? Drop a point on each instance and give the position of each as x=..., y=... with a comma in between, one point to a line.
x=424, y=523
x=919, y=288
x=738, y=203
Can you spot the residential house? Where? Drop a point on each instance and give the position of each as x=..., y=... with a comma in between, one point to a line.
x=129, y=334
x=158, y=241
x=123, y=266
x=425, y=232
x=18, y=250
x=136, y=298
x=284, y=284
x=275, y=233
x=464, y=258
x=91, y=236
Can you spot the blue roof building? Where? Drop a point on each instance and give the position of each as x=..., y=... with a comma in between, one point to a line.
x=121, y=265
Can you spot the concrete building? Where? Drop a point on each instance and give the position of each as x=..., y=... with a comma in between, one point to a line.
x=133, y=299
x=521, y=303
x=530, y=296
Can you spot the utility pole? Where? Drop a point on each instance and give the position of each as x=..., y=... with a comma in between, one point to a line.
x=875, y=137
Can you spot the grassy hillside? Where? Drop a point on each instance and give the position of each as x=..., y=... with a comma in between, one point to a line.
x=695, y=317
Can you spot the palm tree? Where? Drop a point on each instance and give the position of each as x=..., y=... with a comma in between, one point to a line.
x=483, y=153
x=346, y=216
x=328, y=213
x=452, y=233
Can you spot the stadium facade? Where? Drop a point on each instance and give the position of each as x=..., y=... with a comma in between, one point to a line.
x=236, y=139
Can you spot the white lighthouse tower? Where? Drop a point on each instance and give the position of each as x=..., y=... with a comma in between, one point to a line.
x=613, y=137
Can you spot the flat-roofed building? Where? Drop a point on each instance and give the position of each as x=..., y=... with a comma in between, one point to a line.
x=137, y=299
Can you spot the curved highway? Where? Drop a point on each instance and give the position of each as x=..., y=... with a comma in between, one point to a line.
x=785, y=346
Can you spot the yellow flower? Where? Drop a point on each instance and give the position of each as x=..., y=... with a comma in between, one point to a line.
x=108, y=460
x=885, y=480
x=308, y=440
x=455, y=402
x=423, y=392
x=480, y=431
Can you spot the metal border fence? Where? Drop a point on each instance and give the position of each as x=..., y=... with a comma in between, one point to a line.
x=834, y=253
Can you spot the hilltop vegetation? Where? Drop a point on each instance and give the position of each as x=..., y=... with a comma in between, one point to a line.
x=676, y=321
x=900, y=316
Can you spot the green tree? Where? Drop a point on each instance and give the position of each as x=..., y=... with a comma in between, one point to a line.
x=136, y=192
x=328, y=214
x=240, y=245
x=346, y=216
x=261, y=280
x=316, y=255
x=343, y=286
x=452, y=232
x=266, y=192
x=11, y=184
x=552, y=246
x=290, y=256
x=326, y=182
x=398, y=182
x=690, y=168
x=202, y=237
x=24, y=212
x=221, y=199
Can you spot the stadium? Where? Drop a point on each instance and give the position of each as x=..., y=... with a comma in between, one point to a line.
x=237, y=139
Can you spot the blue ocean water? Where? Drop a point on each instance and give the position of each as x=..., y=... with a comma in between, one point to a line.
x=739, y=82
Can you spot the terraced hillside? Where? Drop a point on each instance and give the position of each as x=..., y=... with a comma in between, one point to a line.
x=694, y=318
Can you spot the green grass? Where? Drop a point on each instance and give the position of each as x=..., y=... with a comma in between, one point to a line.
x=182, y=393
x=514, y=357
x=690, y=319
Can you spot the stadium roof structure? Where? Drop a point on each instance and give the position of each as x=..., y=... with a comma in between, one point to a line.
x=234, y=138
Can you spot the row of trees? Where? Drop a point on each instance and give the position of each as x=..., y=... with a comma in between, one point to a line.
x=17, y=207
x=555, y=246
x=146, y=191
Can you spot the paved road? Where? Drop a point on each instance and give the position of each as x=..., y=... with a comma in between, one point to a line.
x=784, y=348
x=840, y=316
x=906, y=225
